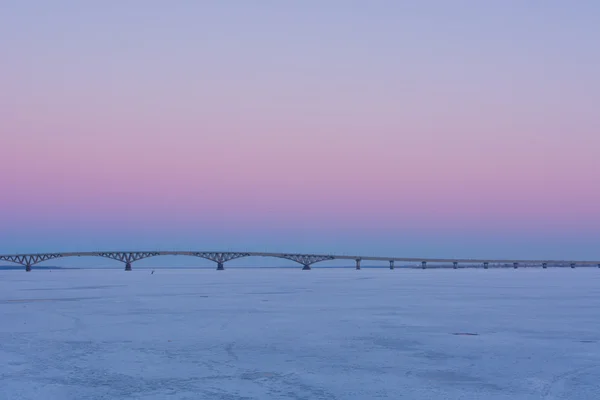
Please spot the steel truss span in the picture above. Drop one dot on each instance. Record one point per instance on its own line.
(306, 260)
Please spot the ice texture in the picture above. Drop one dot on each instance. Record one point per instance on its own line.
(292, 334)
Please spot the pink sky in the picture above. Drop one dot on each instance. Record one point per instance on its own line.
(287, 117)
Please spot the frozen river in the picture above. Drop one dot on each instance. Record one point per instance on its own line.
(291, 334)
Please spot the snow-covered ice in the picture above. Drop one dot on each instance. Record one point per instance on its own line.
(292, 334)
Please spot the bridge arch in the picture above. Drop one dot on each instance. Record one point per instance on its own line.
(28, 260)
(306, 260)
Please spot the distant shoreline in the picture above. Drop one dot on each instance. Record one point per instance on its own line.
(507, 266)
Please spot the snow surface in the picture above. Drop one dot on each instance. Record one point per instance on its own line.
(292, 334)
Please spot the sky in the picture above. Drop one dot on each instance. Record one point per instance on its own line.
(402, 128)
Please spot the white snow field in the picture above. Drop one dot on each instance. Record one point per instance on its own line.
(292, 334)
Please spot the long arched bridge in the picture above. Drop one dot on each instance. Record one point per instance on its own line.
(306, 260)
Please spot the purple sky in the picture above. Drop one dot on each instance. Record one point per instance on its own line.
(429, 128)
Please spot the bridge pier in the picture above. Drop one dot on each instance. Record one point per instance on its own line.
(515, 265)
(220, 266)
(358, 263)
(128, 266)
(455, 265)
(423, 264)
(544, 265)
(572, 265)
(27, 268)
(306, 267)
(486, 265)
(391, 264)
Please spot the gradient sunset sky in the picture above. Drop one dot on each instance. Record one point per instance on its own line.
(402, 128)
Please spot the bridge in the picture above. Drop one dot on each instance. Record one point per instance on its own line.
(306, 260)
